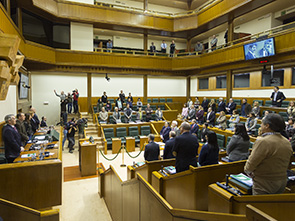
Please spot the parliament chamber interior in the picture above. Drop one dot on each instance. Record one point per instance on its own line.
(93, 92)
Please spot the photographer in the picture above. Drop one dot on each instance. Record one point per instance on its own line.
(82, 123)
(72, 128)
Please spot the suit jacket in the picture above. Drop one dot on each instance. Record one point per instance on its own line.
(186, 147)
(204, 132)
(231, 107)
(247, 109)
(116, 115)
(205, 105)
(22, 131)
(12, 142)
(211, 118)
(221, 106)
(152, 151)
(221, 120)
(152, 48)
(168, 149)
(165, 133)
(194, 129)
(200, 115)
(280, 96)
(35, 122)
(191, 114)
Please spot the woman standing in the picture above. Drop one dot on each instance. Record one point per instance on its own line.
(238, 147)
(221, 121)
(291, 110)
(210, 151)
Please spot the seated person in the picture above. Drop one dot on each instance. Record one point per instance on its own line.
(204, 132)
(200, 115)
(116, 115)
(194, 128)
(108, 106)
(256, 109)
(11, 139)
(184, 112)
(191, 113)
(238, 146)
(175, 128)
(251, 124)
(210, 151)
(291, 110)
(152, 150)
(99, 105)
(165, 132)
(138, 103)
(221, 121)
(230, 106)
(234, 119)
(139, 115)
(210, 118)
(159, 114)
(221, 105)
(270, 158)
(128, 113)
(169, 146)
(148, 112)
(119, 104)
(290, 128)
(103, 115)
(130, 103)
(43, 122)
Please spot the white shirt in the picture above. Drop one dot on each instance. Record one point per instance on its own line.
(163, 45)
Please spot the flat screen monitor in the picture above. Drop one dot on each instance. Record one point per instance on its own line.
(259, 49)
(23, 91)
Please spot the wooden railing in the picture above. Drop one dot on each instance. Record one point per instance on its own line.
(14, 211)
(136, 199)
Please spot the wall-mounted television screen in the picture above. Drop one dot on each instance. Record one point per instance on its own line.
(259, 49)
(23, 91)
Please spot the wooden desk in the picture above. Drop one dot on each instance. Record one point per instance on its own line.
(53, 154)
(87, 158)
(116, 145)
(143, 141)
(130, 144)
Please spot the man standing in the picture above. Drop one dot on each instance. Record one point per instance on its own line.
(12, 139)
(221, 105)
(63, 111)
(191, 113)
(72, 128)
(35, 122)
(122, 96)
(245, 108)
(169, 146)
(21, 128)
(213, 43)
(70, 102)
(165, 132)
(277, 97)
(153, 48)
(205, 104)
(185, 149)
(230, 106)
(62, 95)
(148, 112)
(109, 45)
(152, 150)
(104, 97)
(76, 96)
(210, 117)
(172, 48)
(199, 48)
(128, 114)
(163, 47)
(194, 128)
(270, 158)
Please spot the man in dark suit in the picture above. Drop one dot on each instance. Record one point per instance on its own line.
(245, 108)
(185, 149)
(21, 128)
(35, 122)
(169, 146)
(12, 139)
(277, 97)
(251, 52)
(152, 47)
(122, 96)
(221, 105)
(210, 119)
(205, 104)
(194, 128)
(152, 150)
(165, 132)
(230, 106)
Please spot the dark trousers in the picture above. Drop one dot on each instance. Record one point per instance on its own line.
(10, 160)
(70, 105)
(71, 143)
(64, 117)
(75, 103)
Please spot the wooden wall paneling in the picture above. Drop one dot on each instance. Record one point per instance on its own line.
(212, 83)
(82, 102)
(287, 78)
(117, 206)
(1, 128)
(36, 193)
(171, 115)
(229, 85)
(145, 88)
(255, 79)
(89, 92)
(130, 200)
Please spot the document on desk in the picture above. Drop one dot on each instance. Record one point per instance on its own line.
(243, 179)
(42, 137)
(42, 141)
(28, 155)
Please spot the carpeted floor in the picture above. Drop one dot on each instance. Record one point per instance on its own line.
(73, 173)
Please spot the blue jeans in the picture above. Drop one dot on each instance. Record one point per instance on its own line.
(75, 103)
(65, 137)
(64, 118)
(70, 105)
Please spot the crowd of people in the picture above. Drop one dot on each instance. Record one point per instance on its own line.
(270, 157)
